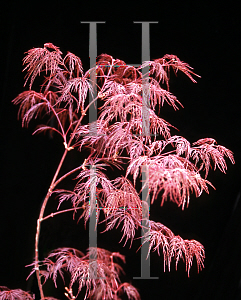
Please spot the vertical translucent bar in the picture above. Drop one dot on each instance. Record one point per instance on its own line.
(145, 261)
(93, 95)
(93, 131)
(92, 225)
(93, 80)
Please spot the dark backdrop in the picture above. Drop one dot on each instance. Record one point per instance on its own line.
(207, 36)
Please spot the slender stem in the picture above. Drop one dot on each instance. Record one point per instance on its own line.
(62, 211)
(40, 218)
(67, 174)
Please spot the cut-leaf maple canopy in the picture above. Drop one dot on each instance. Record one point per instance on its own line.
(176, 168)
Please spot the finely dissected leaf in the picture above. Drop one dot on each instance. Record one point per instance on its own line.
(40, 59)
(116, 70)
(16, 294)
(207, 151)
(131, 291)
(78, 85)
(160, 68)
(174, 247)
(123, 206)
(97, 271)
(181, 144)
(74, 64)
(172, 175)
(86, 136)
(159, 96)
(121, 106)
(176, 181)
(31, 103)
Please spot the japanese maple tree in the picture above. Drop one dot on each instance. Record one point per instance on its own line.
(117, 139)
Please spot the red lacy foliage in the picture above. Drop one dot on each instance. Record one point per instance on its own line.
(127, 135)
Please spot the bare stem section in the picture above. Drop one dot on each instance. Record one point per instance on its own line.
(40, 219)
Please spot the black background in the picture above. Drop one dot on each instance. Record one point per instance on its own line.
(207, 36)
